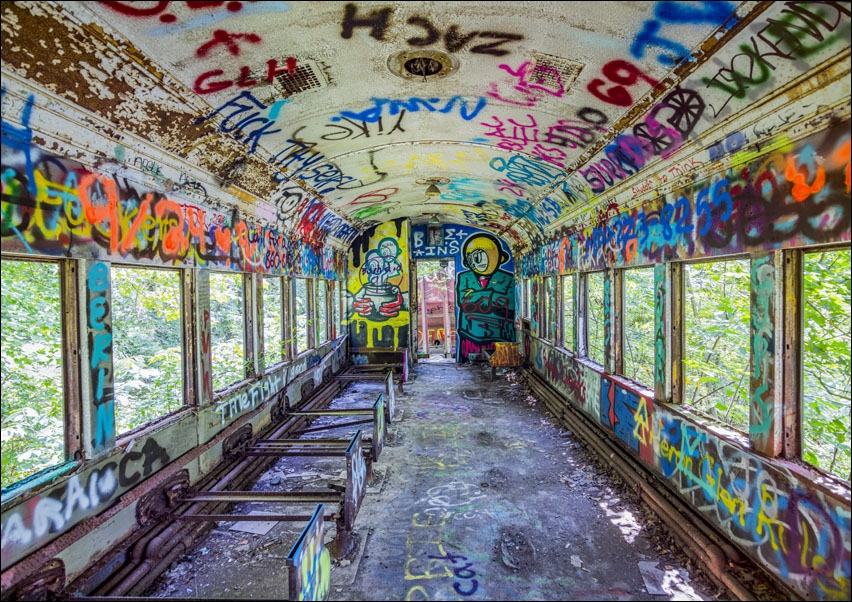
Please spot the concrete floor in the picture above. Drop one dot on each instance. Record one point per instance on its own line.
(479, 496)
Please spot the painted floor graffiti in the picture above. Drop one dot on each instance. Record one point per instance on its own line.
(477, 496)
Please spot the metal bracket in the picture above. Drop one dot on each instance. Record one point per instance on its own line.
(44, 583)
(159, 503)
(235, 446)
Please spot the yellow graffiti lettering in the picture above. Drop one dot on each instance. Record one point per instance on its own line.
(417, 589)
(425, 572)
(56, 203)
(415, 520)
(642, 430)
(763, 518)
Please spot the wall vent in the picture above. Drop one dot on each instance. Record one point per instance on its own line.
(553, 72)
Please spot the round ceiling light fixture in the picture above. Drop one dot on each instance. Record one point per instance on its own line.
(423, 65)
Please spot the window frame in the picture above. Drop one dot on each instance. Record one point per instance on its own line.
(793, 361)
(71, 293)
(183, 287)
(571, 345)
(587, 314)
(249, 369)
(321, 300)
(621, 336)
(284, 356)
(681, 333)
(309, 334)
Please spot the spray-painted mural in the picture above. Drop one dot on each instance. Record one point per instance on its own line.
(798, 530)
(58, 207)
(377, 290)
(484, 288)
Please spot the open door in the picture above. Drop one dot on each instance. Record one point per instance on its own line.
(436, 309)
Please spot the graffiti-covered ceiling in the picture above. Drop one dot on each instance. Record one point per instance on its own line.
(326, 118)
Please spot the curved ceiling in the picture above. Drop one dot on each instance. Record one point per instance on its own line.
(350, 111)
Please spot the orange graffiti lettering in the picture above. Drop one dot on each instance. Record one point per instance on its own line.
(105, 190)
(801, 189)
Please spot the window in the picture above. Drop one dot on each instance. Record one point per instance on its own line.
(638, 312)
(227, 327)
(33, 409)
(322, 311)
(826, 348)
(526, 299)
(569, 312)
(595, 327)
(550, 309)
(336, 307)
(716, 308)
(274, 349)
(301, 308)
(147, 345)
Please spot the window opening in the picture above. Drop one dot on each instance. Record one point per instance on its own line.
(716, 340)
(569, 312)
(147, 345)
(638, 312)
(33, 407)
(595, 331)
(322, 311)
(274, 349)
(227, 328)
(301, 308)
(826, 392)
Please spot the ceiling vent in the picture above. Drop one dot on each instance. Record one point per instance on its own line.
(422, 65)
(553, 72)
(305, 75)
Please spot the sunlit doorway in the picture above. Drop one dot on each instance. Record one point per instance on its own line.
(436, 310)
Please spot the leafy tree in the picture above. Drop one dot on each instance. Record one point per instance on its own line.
(569, 284)
(717, 317)
(826, 343)
(639, 325)
(302, 319)
(596, 331)
(227, 329)
(273, 336)
(147, 345)
(33, 434)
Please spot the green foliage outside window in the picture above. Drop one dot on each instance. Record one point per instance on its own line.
(273, 339)
(826, 391)
(227, 327)
(33, 433)
(322, 311)
(639, 325)
(716, 329)
(569, 284)
(595, 333)
(301, 305)
(147, 345)
(335, 306)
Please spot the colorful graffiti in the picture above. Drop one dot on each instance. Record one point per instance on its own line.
(100, 356)
(53, 206)
(484, 296)
(377, 289)
(310, 562)
(797, 530)
(73, 499)
(796, 195)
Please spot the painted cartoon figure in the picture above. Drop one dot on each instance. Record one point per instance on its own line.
(379, 298)
(485, 295)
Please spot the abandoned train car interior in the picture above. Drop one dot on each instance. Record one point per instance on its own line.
(218, 217)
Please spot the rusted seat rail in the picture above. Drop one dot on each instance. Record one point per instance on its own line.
(377, 419)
